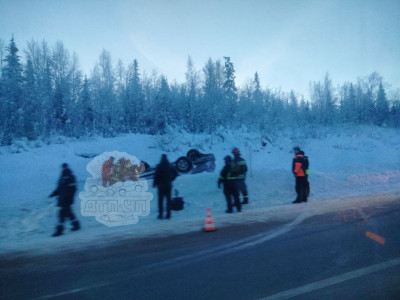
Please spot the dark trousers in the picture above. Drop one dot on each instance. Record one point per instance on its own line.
(66, 212)
(230, 190)
(164, 192)
(301, 189)
(242, 189)
(307, 186)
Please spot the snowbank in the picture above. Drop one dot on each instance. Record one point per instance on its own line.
(343, 164)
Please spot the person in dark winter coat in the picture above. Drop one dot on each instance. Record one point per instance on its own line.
(239, 171)
(306, 167)
(299, 171)
(65, 191)
(164, 175)
(230, 189)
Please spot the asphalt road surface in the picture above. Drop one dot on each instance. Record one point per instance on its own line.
(349, 254)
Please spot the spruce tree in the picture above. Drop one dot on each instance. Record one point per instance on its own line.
(230, 90)
(12, 97)
(382, 106)
(135, 101)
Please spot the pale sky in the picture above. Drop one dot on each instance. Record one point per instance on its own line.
(288, 42)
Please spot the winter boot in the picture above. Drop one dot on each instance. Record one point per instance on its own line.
(59, 230)
(75, 225)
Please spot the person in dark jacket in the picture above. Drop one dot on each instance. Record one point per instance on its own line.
(238, 172)
(164, 175)
(230, 189)
(65, 191)
(306, 167)
(299, 171)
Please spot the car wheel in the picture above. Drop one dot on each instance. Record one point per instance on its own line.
(183, 165)
(193, 154)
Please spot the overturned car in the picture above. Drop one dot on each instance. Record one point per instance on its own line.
(194, 162)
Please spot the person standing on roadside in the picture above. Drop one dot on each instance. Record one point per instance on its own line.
(299, 171)
(238, 172)
(306, 167)
(229, 186)
(164, 175)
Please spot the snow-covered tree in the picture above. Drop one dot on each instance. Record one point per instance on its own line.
(382, 106)
(230, 90)
(211, 98)
(45, 94)
(86, 107)
(190, 107)
(323, 102)
(293, 108)
(75, 82)
(163, 103)
(348, 104)
(102, 82)
(2, 54)
(135, 99)
(31, 105)
(394, 115)
(12, 95)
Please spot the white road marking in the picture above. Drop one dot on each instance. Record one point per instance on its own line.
(334, 280)
(227, 248)
(284, 229)
(230, 247)
(70, 292)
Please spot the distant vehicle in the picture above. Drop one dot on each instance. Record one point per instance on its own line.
(202, 162)
(194, 162)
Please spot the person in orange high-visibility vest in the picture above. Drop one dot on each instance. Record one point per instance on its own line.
(299, 171)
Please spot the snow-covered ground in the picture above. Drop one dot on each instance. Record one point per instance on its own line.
(344, 164)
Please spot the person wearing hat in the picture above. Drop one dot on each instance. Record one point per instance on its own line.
(229, 186)
(299, 171)
(238, 172)
(65, 191)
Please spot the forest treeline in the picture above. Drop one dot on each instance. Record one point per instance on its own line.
(44, 93)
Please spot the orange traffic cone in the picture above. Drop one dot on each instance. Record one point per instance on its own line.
(209, 224)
